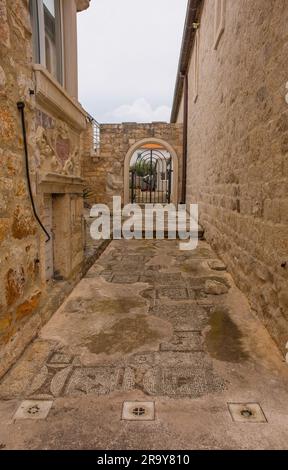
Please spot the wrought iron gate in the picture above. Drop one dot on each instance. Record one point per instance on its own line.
(151, 178)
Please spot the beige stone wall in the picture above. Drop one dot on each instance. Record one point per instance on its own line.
(238, 150)
(180, 116)
(20, 284)
(54, 125)
(104, 174)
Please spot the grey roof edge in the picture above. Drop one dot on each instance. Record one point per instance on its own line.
(187, 43)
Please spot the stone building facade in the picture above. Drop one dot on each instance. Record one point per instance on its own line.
(38, 68)
(107, 173)
(231, 95)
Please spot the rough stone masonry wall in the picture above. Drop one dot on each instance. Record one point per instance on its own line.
(20, 287)
(53, 147)
(238, 151)
(56, 148)
(105, 174)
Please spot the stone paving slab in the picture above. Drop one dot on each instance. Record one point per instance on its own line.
(141, 326)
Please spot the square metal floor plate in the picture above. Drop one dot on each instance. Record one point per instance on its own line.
(32, 409)
(138, 411)
(247, 413)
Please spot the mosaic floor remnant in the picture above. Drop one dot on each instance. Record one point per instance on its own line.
(153, 347)
(121, 295)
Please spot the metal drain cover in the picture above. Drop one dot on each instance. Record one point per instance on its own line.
(32, 409)
(138, 411)
(247, 413)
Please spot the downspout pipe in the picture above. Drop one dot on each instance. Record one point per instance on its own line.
(21, 107)
(185, 138)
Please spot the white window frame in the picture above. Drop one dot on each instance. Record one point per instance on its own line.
(219, 25)
(39, 41)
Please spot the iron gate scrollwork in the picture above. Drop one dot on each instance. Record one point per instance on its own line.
(151, 178)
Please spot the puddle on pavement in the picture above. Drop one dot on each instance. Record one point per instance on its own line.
(223, 341)
(124, 336)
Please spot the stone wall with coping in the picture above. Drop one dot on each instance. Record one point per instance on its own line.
(238, 150)
(54, 141)
(104, 174)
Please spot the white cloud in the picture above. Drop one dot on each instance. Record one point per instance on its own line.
(139, 111)
(129, 49)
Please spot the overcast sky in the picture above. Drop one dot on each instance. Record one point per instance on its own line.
(128, 58)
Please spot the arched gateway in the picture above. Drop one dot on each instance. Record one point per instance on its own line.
(127, 147)
(151, 173)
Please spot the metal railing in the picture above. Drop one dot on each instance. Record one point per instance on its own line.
(94, 135)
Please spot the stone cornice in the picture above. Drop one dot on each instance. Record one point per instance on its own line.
(61, 184)
(53, 97)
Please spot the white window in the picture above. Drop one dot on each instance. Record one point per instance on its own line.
(46, 20)
(219, 26)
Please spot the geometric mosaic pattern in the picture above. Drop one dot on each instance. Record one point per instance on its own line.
(180, 367)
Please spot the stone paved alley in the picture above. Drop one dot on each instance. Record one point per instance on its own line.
(155, 324)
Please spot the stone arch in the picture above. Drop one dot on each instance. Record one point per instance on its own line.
(169, 148)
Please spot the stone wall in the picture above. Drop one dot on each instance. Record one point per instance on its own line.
(54, 139)
(104, 173)
(238, 150)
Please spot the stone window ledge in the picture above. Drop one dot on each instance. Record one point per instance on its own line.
(61, 184)
(52, 96)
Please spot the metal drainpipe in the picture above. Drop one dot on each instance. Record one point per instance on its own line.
(21, 107)
(185, 138)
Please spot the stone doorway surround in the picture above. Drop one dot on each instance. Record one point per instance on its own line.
(67, 205)
(138, 145)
